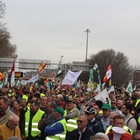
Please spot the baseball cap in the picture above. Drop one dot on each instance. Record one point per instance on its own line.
(106, 106)
(59, 110)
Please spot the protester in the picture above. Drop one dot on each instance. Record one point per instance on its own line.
(5, 111)
(106, 115)
(136, 135)
(10, 128)
(71, 116)
(99, 136)
(129, 119)
(93, 124)
(48, 119)
(29, 128)
(82, 132)
(57, 128)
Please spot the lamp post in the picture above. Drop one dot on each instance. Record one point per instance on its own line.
(87, 31)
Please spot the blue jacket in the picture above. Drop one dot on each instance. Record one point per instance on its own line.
(95, 126)
(56, 129)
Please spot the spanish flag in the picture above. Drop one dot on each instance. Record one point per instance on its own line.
(41, 67)
(108, 73)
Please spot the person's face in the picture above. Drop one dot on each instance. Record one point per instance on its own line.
(106, 112)
(112, 118)
(49, 108)
(56, 114)
(111, 95)
(33, 107)
(44, 100)
(82, 122)
(76, 100)
(136, 137)
(13, 124)
(118, 96)
(124, 109)
(119, 104)
(23, 103)
(53, 98)
(15, 104)
(96, 108)
(113, 104)
(3, 106)
(119, 122)
(70, 105)
(49, 99)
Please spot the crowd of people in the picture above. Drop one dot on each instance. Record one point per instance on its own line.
(36, 113)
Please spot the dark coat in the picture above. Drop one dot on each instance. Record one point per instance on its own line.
(85, 135)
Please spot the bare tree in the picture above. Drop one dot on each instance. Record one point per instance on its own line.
(7, 49)
(121, 70)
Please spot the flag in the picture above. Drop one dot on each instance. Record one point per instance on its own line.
(111, 89)
(103, 96)
(41, 67)
(90, 85)
(108, 73)
(12, 74)
(6, 79)
(129, 88)
(95, 67)
(71, 77)
(2, 83)
(33, 79)
(18, 83)
(59, 72)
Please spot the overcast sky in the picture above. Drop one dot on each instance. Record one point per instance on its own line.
(45, 30)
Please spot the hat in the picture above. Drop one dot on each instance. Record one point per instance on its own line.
(90, 110)
(59, 110)
(106, 106)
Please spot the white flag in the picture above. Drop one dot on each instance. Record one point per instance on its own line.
(111, 89)
(129, 88)
(71, 77)
(33, 79)
(103, 96)
(95, 66)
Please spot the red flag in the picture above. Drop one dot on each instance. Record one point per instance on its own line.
(12, 74)
(108, 73)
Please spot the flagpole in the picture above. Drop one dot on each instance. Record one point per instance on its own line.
(87, 31)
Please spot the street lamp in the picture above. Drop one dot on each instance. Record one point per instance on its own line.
(87, 31)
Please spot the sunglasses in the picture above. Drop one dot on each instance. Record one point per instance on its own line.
(79, 121)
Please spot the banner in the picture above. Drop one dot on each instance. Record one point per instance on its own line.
(71, 77)
(33, 79)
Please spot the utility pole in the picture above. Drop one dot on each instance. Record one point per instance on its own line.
(87, 31)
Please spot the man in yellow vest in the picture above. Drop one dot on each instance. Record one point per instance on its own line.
(29, 128)
(137, 103)
(118, 120)
(71, 116)
(56, 130)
